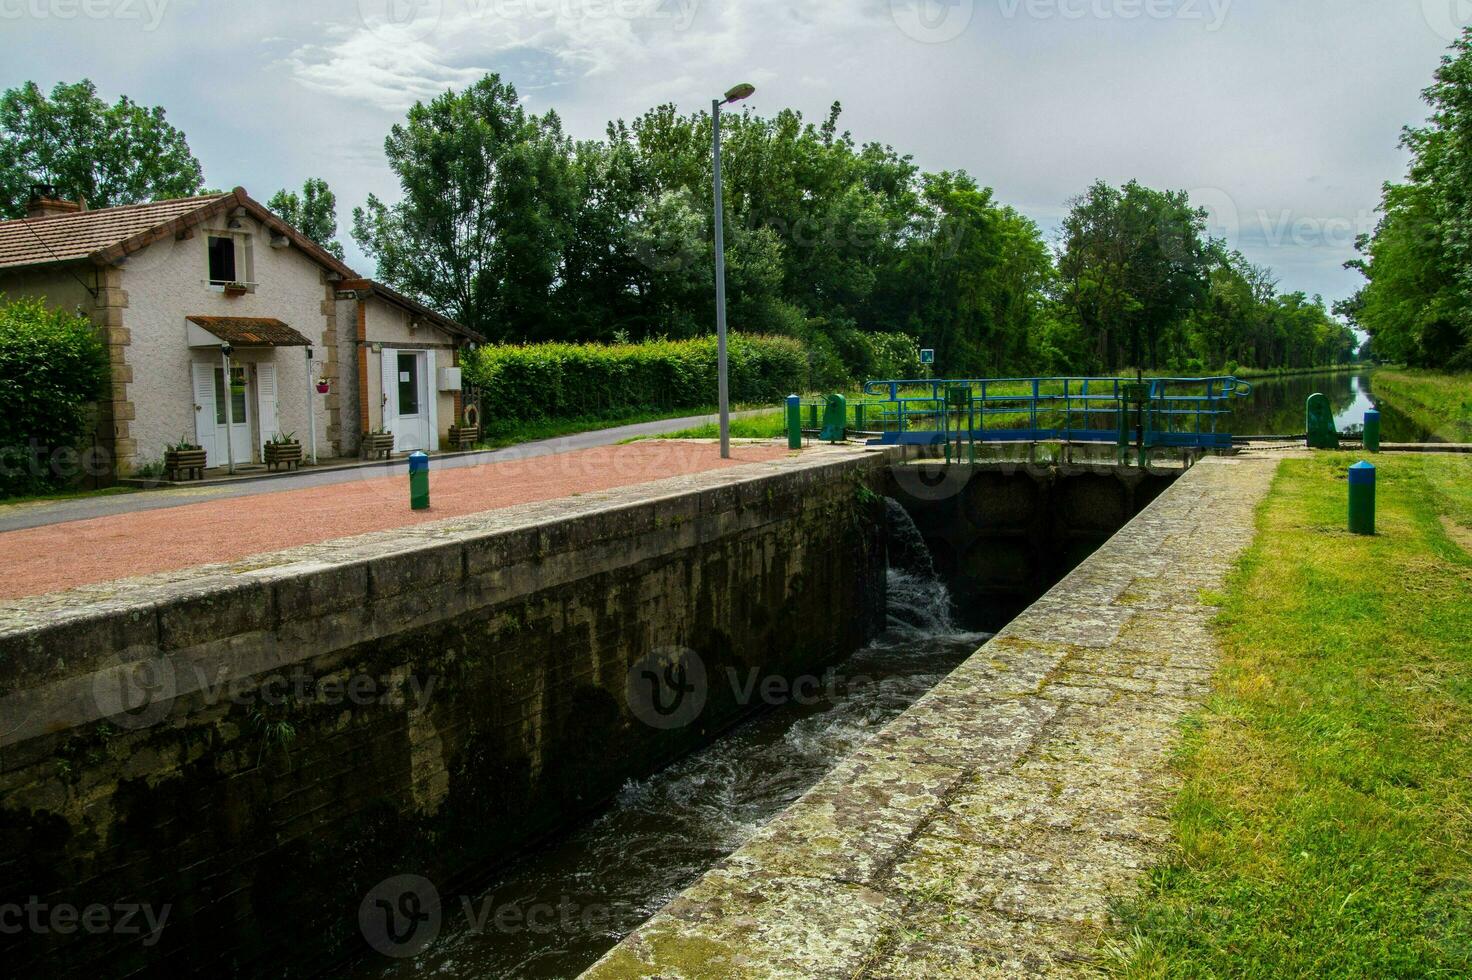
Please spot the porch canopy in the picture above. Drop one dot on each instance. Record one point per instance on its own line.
(242, 331)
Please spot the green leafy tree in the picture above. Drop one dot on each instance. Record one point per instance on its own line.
(53, 367)
(1135, 262)
(489, 197)
(122, 153)
(313, 212)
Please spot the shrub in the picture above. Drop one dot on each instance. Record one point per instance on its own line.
(558, 381)
(52, 368)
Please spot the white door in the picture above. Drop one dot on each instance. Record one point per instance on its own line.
(407, 399)
(266, 404)
(204, 412)
(239, 424)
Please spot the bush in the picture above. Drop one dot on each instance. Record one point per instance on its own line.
(52, 368)
(538, 382)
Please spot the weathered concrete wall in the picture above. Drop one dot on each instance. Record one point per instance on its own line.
(987, 831)
(423, 701)
(1002, 533)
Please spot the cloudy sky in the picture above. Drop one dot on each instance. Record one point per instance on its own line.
(1280, 116)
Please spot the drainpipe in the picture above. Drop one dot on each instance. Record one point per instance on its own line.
(225, 351)
(311, 411)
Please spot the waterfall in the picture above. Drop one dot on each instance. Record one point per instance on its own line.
(919, 602)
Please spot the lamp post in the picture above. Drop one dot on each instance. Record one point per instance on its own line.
(736, 94)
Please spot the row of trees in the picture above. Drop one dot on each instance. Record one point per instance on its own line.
(1417, 302)
(515, 228)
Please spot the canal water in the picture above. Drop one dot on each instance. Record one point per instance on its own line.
(561, 908)
(1276, 407)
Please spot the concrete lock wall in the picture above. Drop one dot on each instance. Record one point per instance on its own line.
(247, 759)
(1001, 534)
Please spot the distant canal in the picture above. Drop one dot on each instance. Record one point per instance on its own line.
(1276, 407)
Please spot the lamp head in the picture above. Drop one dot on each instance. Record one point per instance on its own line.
(226, 349)
(742, 91)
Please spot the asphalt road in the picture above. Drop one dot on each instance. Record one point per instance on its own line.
(14, 517)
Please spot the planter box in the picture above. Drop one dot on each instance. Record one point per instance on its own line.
(378, 446)
(464, 436)
(288, 454)
(184, 464)
(236, 289)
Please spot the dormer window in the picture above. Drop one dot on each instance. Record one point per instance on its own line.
(222, 259)
(230, 261)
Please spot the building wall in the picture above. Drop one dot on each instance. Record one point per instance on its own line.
(166, 282)
(388, 326)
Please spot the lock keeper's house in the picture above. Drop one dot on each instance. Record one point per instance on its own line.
(208, 298)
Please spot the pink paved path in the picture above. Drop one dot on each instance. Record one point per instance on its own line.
(60, 556)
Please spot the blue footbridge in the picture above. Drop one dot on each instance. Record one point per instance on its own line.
(1139, 413)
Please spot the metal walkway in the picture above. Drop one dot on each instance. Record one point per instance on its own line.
(1171, 412)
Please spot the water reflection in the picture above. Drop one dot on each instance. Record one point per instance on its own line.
(1276, 407)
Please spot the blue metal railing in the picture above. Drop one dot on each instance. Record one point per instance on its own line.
(1180, 412)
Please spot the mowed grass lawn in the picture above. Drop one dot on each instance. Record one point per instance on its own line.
(1325, 824)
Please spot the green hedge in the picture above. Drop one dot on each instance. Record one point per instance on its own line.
(554, 381)
(52, 368)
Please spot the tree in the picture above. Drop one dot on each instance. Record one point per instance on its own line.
(313, 213)
(123, 153)
(1417, 302)
(1135, 261)
(488, 200)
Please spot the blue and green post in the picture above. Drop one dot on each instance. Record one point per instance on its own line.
(419, 481)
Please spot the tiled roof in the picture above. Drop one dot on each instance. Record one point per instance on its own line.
(112, 234)
(251, 331)
(69, 237)
(414, 307)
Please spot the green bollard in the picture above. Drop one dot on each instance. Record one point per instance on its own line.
(835, 419)
(1372, 430)
(794, 422)
(1319, 420)
(1362, 498)
(419, 481)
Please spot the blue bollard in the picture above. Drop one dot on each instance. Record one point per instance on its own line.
(1362, 498)
(1372, 430)
(419, 481)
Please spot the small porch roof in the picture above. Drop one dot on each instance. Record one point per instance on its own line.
(243, 331)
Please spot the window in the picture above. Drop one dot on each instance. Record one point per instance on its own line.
(222, 259)
(237, 395)
(408, 384)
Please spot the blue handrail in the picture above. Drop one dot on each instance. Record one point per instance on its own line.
(1175, 411)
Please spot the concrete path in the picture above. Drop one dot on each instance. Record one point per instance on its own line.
(24, 515)
(985, 832)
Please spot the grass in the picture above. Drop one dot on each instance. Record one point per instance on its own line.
(1437, 401)
(514, 433)
(1324, 827)
(769, 425)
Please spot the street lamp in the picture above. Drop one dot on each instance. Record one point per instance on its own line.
(736, 94)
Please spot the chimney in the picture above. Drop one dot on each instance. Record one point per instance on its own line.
(45, 204)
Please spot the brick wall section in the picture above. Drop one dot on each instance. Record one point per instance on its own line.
(115, 412)
(331, 371)
(363, 418)
(526, 623)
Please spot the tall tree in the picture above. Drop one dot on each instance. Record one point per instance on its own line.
(313, 212)
(1135, 261)
(122, 153)
(488, 199)
(1417, 303)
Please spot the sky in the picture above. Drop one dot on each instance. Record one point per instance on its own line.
(1281, 117)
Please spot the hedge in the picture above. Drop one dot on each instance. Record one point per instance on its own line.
(52, 368)
(557, 381)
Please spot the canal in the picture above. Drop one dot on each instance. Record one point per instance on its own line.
(1276, 407)
(555, 912)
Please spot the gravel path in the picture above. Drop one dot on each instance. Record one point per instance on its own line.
(99, 549)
